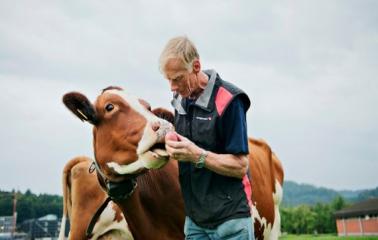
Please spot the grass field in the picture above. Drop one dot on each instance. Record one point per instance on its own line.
(321, 237)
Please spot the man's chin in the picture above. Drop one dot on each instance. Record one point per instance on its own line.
(184, 95)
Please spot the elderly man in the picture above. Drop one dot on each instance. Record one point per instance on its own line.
(210, 145)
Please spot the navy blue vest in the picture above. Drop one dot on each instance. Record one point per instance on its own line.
(210, 199)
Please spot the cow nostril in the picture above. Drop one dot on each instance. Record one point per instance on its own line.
(155, 126)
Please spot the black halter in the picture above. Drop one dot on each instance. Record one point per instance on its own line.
(117, 191)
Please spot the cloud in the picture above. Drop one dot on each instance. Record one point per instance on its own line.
(309, 69)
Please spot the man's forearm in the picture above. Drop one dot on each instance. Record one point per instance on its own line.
(227, 164)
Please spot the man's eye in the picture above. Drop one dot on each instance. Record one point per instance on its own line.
(177, 79)
(109, 107)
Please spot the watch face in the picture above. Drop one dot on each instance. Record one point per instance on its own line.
(201, 160)
(200, 164)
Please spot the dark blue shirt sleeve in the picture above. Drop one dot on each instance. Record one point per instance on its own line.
(234, 128)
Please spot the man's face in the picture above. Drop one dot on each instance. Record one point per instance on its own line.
(180, 79)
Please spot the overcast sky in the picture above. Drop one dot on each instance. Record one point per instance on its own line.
(309, 67)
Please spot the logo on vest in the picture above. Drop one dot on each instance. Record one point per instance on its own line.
(204, 118)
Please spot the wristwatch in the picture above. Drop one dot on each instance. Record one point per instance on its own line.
(201, 160)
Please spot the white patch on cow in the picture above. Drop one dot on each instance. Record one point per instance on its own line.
(271, 232)
(262, 221)
(149, 138)
(126, 169)
(145, 160)
(151, 162)
(107, 223)
(62, 228)
(277, 198)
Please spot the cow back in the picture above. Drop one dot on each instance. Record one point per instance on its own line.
(82, 196)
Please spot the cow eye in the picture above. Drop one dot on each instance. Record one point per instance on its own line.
(109, 107)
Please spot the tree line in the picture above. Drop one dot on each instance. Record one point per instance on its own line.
(296, 220)
(310, 219)
(30, 205)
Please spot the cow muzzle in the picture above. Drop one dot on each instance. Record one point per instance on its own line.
(154, 133)
(151, 149)
(155, 156)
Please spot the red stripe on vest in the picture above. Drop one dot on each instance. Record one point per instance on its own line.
(248, 190)
(222, 99)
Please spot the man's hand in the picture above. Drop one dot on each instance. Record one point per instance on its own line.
(181, 148)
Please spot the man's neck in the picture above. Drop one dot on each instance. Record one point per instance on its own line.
(203, 79)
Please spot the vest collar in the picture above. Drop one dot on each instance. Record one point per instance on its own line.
(203, 100)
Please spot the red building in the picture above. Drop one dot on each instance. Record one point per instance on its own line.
(359, 219)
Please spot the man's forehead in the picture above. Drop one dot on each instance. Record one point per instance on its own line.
(176, 63)
(174, 67)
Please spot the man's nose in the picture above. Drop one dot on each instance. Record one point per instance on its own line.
(174, 88)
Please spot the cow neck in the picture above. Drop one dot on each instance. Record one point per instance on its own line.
(141, 212)
(137, 217)
(116, 190)
(126, 195)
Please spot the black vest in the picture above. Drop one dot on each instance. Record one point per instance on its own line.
(210, 199)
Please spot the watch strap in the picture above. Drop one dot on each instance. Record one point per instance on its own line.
(201, 160)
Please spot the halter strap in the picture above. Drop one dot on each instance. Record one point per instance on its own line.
(89, 232)
(117, 191)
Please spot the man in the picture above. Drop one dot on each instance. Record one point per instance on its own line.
(211, 145)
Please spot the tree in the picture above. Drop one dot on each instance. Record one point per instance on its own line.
(30, 205)
(309, 219)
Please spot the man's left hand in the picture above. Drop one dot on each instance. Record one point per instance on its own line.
(181, 148)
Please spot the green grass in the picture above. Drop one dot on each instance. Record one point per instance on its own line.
(324, 236)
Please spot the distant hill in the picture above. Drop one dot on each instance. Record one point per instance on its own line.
(297, 194)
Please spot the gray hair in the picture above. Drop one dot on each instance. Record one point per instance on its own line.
(181, 48)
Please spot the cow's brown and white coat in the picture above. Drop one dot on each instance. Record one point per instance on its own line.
(82, 196)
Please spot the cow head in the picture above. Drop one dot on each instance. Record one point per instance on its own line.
(127, 137)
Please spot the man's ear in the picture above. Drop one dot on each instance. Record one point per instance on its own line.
(196, 66)
(79, 105)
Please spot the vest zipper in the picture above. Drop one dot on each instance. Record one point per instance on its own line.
(191, 114)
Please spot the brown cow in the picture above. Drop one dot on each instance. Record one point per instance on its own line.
(127, 141)
(82, 196)
(267, 180)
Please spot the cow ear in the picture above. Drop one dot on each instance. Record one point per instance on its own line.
(79, 105)
(164, 114)
(145, 104)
